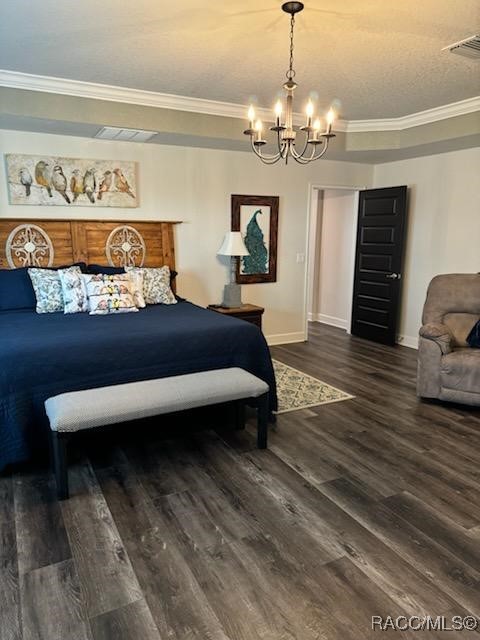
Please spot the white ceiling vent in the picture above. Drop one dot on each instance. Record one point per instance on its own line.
(470, 47)
(126, 135)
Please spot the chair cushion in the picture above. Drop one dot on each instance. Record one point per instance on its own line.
(80, 410)
(461, 370)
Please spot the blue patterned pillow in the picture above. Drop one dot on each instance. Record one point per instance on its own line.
(48, 289)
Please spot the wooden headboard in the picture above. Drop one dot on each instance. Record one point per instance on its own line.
(44, 243)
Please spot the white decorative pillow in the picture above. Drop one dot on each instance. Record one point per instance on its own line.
(74, 291)
(48, 288)
(109, 293)
(156, 284)
(136, 278)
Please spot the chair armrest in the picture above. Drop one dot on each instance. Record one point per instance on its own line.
(440, 334)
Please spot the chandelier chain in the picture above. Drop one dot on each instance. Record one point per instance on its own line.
(291, 72)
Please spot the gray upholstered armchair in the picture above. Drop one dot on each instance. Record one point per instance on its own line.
(447, 368)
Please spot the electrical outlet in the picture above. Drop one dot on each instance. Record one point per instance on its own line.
(300, 257)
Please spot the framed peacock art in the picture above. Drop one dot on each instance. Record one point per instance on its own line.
(256, 217)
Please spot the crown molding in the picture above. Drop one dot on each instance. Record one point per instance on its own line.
(111, 93)
(461, 108)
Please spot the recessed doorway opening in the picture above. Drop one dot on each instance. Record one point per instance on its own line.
(331, 255)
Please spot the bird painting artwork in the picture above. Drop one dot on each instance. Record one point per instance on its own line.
(76, 184)
(89, 184)
(59, 182)
(121, 183)
(73, 182)
(26, 179)
(105, 184)
(42, 176)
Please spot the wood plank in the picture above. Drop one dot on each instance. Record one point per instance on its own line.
(174, 597)
(132, 622)
(444, 531)
(52, 606)
(6, 499)
(41, 534)
(10, 614)
(105, 572)
(460, 581)
(320, 524)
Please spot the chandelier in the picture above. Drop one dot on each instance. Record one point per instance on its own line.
(315, 143)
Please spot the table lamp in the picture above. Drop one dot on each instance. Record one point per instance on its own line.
(234, 247)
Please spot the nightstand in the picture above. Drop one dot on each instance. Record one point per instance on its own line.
(249, 312)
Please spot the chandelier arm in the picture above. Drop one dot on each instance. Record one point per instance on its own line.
(305, 146)
(313, 157)
(303, 159)
(269, 159)
(323, 151)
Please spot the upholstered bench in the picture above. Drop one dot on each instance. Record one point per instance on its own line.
(79, 410)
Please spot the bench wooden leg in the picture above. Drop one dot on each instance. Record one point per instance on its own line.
(59, 447)
(262, 421)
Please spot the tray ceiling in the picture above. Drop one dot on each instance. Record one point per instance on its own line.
(375, 58)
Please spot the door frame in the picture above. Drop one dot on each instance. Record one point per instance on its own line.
(313, 189)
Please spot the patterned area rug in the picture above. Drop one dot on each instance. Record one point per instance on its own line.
(297, 390)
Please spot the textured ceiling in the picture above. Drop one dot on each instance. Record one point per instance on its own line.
(374, 58)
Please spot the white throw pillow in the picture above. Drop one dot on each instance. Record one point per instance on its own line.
(156, 284)
(109, 294)
(136, 278)
(74, 291)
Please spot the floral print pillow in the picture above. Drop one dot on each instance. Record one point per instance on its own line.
(109, 294)
(74, 291)
(48, 289)
(156, 284)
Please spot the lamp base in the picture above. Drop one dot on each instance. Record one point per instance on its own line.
(232, 295)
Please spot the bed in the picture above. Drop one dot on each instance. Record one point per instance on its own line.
(46, 354)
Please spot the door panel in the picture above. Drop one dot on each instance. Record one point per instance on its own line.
(378, 263)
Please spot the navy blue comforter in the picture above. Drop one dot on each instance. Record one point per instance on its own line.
(42, 355)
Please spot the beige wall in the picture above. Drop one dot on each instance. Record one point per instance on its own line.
(194, 185)
(443, 227)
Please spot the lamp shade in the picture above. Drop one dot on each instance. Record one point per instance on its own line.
(233, 245)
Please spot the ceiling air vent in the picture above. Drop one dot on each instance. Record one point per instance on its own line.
(126, 135)
(470, 47)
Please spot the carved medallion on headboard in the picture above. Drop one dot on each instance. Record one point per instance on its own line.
(125, 247)
(28, 245)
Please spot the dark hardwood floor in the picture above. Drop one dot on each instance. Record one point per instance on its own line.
(365, 507)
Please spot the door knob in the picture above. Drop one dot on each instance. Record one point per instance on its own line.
(393, 276)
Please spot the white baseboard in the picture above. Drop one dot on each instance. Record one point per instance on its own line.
(408, 341)
(331, 320)
(286, 338)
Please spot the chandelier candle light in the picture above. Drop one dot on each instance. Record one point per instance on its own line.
(316, 141)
